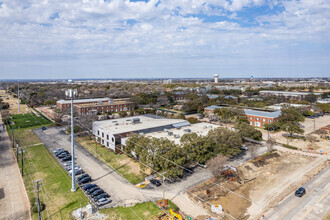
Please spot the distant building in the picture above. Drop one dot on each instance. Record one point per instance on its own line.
(66, 104)
(104, 107)
(211, 96)
(231, 97)
(179, 95)
(324, 101)
(281, 105)
(210, 109)
(260, 118)
(299, 95)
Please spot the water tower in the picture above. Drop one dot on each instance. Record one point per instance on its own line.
(216, 76)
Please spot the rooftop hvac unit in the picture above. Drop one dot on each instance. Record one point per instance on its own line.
(100, 102)
(135, 120)
(165, 130)
(177, 136)
(114, 121)
(110, 101)
(141, 133)
(188, 130)
(170, 133)
(204, 126)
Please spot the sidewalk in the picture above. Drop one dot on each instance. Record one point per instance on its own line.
(14, 203)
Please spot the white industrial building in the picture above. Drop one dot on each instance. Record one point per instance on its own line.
(111, 133)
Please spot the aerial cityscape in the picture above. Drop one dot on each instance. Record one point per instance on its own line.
(168, 110)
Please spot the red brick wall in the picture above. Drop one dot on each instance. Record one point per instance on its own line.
(261, 120)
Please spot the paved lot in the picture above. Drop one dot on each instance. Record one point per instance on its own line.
(314, 205)
(308, 124)
(13, 199)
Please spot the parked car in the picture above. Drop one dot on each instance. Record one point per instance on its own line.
(88, 186)
(61, 152)
(155, 182)
(85, 180)
(66, 158)
(97, 192)
(300, 192)
(77, 172)
(91, 190)
(243, 147)
(101, 196)
(83, 176)
(63, 155)
(68, 168)
(69, 163)
(58, 150)
(103, 201)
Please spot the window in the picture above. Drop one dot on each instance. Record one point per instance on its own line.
(107, 144)
(270, 120)
(102, 134)
(107, 137)
(102, 107)
(263, 119)
(257, 124)
(251, 123)
(251, 118)
(257, 119)
(98, 132)
(113, 140)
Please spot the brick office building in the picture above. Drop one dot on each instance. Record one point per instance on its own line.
(259, 118)
(66, 104)
(104, 107)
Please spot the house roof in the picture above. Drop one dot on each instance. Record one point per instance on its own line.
(212, 107)
(265, 114)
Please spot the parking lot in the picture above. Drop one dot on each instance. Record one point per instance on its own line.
(54, 138)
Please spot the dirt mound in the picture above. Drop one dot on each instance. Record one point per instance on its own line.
(263, 160)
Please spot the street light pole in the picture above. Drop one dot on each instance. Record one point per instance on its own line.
(72, 93)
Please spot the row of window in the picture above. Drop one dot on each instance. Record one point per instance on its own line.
(112, 106)
(98, 134)
(264, 120)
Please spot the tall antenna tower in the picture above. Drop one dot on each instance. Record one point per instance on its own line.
(18, 97)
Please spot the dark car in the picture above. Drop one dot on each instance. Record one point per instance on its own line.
(66, 158)
(300, 192)
(155, 182)
(91, 190)
(63, 155)
(83, 176)
(88, 186)
(76, 172)
(97, 192)
(61, 152)
(58, 150)
(85, 180)
(103, 201)
(101, 196)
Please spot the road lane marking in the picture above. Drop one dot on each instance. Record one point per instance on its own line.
(314, 205)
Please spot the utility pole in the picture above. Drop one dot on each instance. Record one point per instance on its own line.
(7, 90)
(18, 97)
(314, 124)
(17, 152)
(38, 184)
(22, 161)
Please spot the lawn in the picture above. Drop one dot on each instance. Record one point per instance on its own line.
(56, 188)
(28, 120)
(26, 136)
(146, 211)
(123, 164)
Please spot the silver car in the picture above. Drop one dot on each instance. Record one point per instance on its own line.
(103, 201)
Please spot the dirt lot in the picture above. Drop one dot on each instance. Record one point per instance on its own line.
(13, 105)
(259, 184)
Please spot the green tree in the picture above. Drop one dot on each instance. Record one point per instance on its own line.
(248, 131)
(290, 115)
(225, 141)
(292, 128)
(198, 148)
(325, 107)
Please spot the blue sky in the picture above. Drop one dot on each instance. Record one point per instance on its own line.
(172, 38)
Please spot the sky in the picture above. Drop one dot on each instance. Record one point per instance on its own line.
(50, 39)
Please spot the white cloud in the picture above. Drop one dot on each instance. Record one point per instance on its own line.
(172, 28)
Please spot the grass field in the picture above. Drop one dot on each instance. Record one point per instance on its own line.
(146, 211)
(56, 189)
(26, 136)
(122, 163)
(28, 120)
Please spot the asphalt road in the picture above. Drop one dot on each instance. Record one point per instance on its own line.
(315, 204)
(13, 199)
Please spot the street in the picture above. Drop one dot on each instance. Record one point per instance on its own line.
(13, 198)
(315, 204)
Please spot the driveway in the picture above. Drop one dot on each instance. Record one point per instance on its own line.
(13, 197)
(314, 205)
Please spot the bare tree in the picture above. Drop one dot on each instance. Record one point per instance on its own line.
(311, 139)
(216, 164)
(253, 150)
(270, 144)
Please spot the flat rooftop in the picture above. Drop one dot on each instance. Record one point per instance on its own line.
(287, 93)
(125, 125)
(103, 103)
(83, 100)
(202, 129)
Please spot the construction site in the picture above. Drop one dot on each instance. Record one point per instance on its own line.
(258, 185)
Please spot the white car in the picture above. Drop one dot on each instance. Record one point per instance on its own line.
(58, 150)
